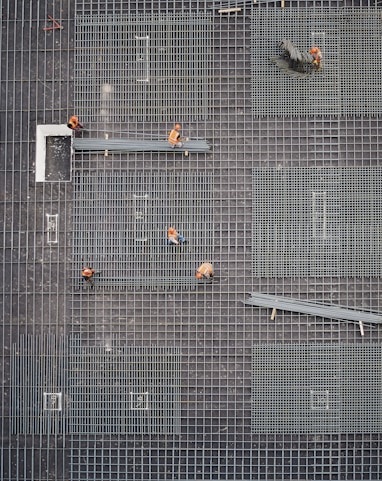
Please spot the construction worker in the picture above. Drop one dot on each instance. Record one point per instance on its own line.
(174, 137)
(74, 123)
(205, 271)
(173, 237)
(87, 274)
(316, 53)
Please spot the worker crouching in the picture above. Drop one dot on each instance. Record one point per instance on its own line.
(174, 139)
(87, 274)
(205, 271)
(316, 53)
(173, 237)
(74, 123)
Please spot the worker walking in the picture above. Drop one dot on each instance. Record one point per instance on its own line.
(174, 139)
(205, 271)
(74, 123)
(87, 274)
(173, 237)
(316, 53)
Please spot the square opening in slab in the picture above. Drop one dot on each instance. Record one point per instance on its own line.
(139, 401)
(319, 400)
(52, 401)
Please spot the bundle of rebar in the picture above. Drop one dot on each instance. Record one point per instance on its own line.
(146, 282)
(312, 308)
(127, 145)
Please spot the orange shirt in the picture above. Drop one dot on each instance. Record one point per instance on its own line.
(174, 137)
(172, 235)
(316, 53)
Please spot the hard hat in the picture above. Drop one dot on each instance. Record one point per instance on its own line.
(198, 275)
(177, 127)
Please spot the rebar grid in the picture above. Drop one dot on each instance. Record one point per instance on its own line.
(38, 393)
(123, 389)
(316, 388)
(34, 89)
(213, 329)
(316, 222)
(348, 82)
(120, 223)
(143, 68)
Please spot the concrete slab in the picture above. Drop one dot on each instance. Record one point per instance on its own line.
(53, 153)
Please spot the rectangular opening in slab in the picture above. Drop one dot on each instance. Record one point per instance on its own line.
(319, 215)
(52, 228)
(53, 153)
(57, 161)
(142, 56)
(140, 207)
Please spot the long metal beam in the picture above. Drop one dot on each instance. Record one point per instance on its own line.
(312, 308)
(125, 145)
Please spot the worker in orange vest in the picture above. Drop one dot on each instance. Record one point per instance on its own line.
(74, 123)
(173, 237)
(316, 53)
(205, 271)
(87, 274)
(174, 139)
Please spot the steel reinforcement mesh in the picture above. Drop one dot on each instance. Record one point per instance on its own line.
(207, 329)
(317, 222)
(123, 389)
(316, 388)
(38, 385)
(120, 221)
(146, 67)
(349, 81)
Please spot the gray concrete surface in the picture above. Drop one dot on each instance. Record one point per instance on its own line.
(213, 329)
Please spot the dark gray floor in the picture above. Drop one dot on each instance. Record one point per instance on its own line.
(80, 339)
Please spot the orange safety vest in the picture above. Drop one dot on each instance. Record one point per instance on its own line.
(172, 235)
(206, 270)
(173, 137)
(316, 54)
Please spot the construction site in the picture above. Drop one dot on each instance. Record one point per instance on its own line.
(269, 370)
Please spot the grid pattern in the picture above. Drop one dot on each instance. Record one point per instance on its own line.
(349, 82)
(147, 67)
(317, 222)
(317, 388)
(120, 223)
(123, 389)
(214, 330)
(38, 385)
